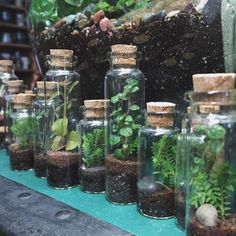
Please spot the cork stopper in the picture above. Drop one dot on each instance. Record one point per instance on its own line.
(51, 86)
(123, 54)
(28, 92)
(95, 108)
(205, 109)
(15, 86)
(217, 81)
(23, 101)
(61, 53)
(61, 57)
(160, 114)
(6, 65)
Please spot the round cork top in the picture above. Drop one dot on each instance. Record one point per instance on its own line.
(160, 107)
(123, 48)
(22, 100)
(6, 62)
(14, 83)
(96, 104)
(61, 52)
(209, 109)
(50, 85)
(217, 81)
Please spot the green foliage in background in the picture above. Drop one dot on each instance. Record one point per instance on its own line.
(124, 138)
(164, 159)
(213, 180)
(23, 129)
(93, 148)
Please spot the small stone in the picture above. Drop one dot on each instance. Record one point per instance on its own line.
(70, 19)
(80, 16)
(188, 55)
(154, 17)
(127, 26)
(59, 23)
(141, 39)
(170, 62)
(75, 32)
(137, 21)
(207, 215)
(172, 14)
(82, 23)
(98, 16)
(85, 30)
(105, 24)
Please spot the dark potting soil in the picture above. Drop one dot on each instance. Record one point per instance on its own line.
(173, 49)
(121, 181)
(92, 180)
(156, 205)
(40, 165)
(62, 169)
(226, 227)
(180, 211)
(21, 159)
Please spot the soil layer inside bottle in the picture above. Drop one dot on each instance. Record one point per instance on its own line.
(121, 180)
(156, 205)
(225, 227)
(92, 179)
(62, 169)
(180, 211)
(21, 159)
(40, 165)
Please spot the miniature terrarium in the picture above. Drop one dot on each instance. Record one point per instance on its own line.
(181, 162)
(6, 74)
(177, 39)
(124, 86)
(21, 151)
(63, 138)
(43, 113)
(211, 168)
(157, 161)
(92, 170)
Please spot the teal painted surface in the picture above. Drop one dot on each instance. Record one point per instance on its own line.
(125, 217)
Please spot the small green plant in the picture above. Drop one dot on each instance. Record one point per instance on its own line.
(164, 159)
(124, 138)
(61, 138)
(23, 130)
(213, 180)
(93, 148)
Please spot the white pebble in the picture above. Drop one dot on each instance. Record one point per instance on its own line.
(207, 215)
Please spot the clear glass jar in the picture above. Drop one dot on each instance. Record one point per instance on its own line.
(13, 87)
(181, 162)
(63, 138)
(43, 111)
(92, 170)
(211, 166)
(177, 38)
(21, 151)
(156, 162)
(6, 74)
(125, 87)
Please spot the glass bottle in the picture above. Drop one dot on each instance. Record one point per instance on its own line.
(6, 74)
(92, 170)
(63, 138)
(21, 151)
(125, 87)
(42, 114)
(156, 162)
(181, 161)
(211, 166)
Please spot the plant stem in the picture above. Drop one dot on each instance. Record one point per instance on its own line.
(65, 101)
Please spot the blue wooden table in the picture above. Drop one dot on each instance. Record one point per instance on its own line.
(124, 217)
